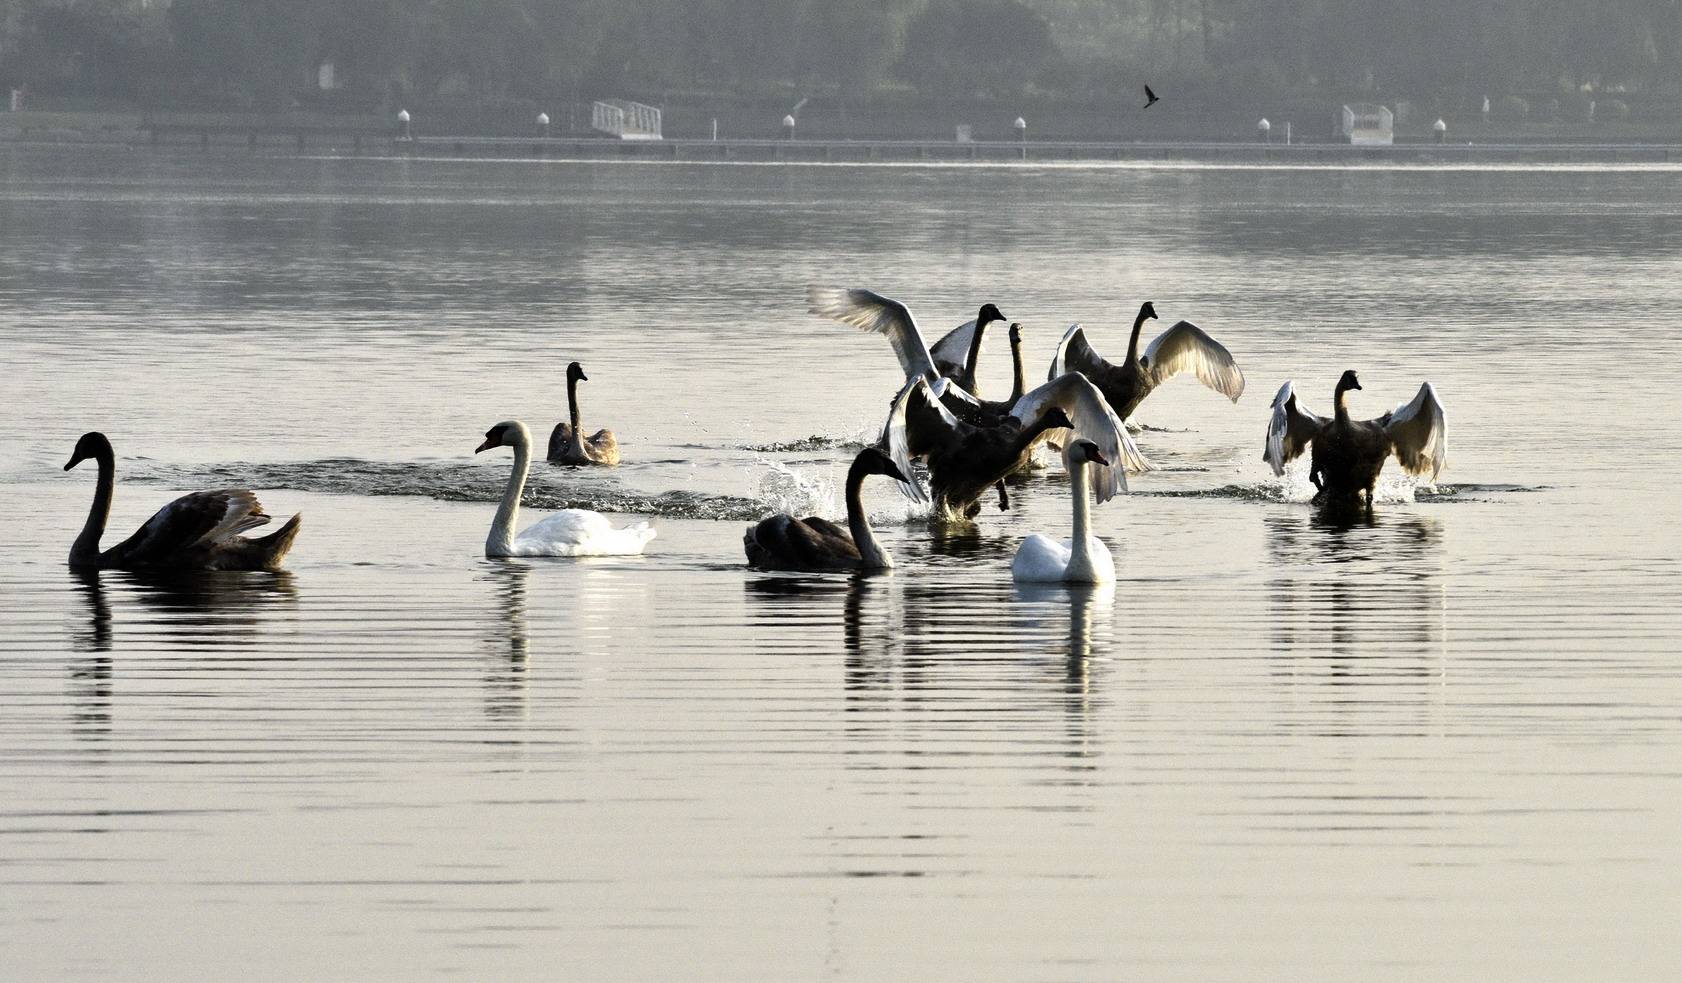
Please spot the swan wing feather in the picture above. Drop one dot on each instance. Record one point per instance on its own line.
(200, 519)
(1187, 347)
(868, 310)
(951, 352)
(918, 423)
(1075, 354)
(1290, 430)
(1075, 395)
(1419, 431)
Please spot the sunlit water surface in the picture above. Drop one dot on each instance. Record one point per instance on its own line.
(1445, 744)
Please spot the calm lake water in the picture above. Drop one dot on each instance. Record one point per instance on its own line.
(1443, 745)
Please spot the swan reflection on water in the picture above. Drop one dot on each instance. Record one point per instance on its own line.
(507, 641)
(932, 644)
(192, 608)
(1374, 586)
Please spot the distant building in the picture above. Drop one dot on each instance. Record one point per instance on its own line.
(1366, 124)
(626, 120)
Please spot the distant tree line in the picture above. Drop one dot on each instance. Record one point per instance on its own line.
(271, 54)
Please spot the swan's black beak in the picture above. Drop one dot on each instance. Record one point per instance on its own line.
(582, 377)
(487, 445)
(75, 459)
(892, 471)
(1097, 458)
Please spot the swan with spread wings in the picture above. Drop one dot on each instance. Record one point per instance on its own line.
(1348, 454)
(1182, 348)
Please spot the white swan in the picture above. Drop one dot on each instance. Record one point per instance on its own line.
(570, 532)
(1084, 559)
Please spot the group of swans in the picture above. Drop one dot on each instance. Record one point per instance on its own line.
(967, 445)
(203, 530)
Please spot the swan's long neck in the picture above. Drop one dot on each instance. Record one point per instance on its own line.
(86, 546)
(1133, 342)
(974, 358)
(1080, 545)
(1031, 435)
(1018, 384)
(501, 539)
(871, 554)
(1341, 398)
(572, 410)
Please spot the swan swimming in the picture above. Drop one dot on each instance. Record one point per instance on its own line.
(567, 443)
(1082, 559)
(782, 542)
(569, 532)
(200, 531)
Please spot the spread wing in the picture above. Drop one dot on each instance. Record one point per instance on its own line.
(1290, 430)
(1093, 420)
(1074, 354)
(917, 423)
(1419, 431)
(951, 353)
(868, 310)
(1186, 348)
(191, 521)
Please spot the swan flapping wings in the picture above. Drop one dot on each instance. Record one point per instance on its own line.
(917, 423)
(1094, 421)
(868, 310)
(1185, 347)
(1290, 430)
(951, 352)
(1418, 432)
(1075, 354)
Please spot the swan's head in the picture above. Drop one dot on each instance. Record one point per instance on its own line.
(576, 371)
(988, 315)
(873, 461)
(504, 434)
(92, 444)
(1056, 418)
(1147, 311)
(1087, 451)
(1348, 381)
(1016, 332)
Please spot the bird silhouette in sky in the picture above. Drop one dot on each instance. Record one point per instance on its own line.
(1150, 98)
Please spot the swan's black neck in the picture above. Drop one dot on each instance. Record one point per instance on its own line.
(871, 555)
(85, 550)
(1340, 399)
(572, 402)
(1032, 433)
(974, 358)
(1133, 342)
(1018, 384)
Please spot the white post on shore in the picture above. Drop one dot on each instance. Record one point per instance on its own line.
(715, 129)
(403, 131)
(543, 125)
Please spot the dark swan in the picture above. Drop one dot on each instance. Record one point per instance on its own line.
(567, 443)
(965, 459)
(1183, 347)
(783, 542)
(200, 531)
(1349, 454)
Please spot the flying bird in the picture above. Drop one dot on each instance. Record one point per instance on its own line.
(1150, 98)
